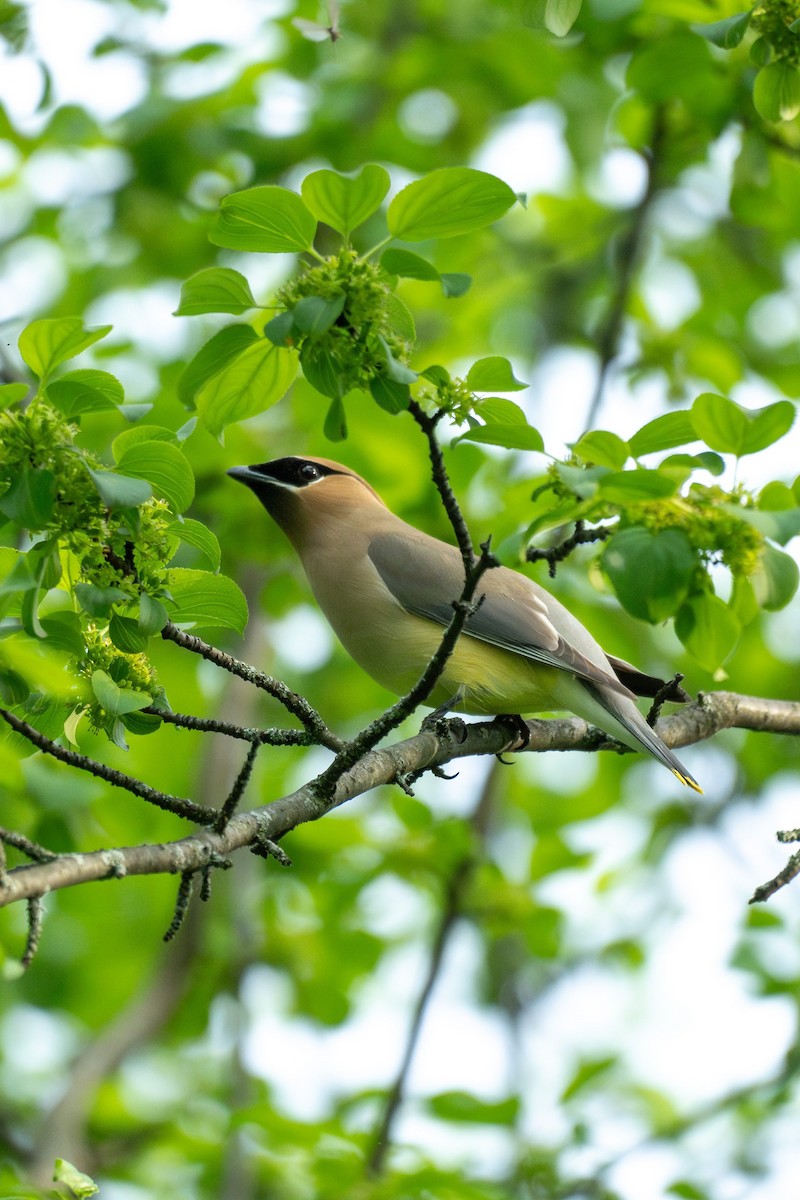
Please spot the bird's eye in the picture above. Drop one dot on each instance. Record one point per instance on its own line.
(308, 472)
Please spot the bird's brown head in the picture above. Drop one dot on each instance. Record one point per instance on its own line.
(303, 495)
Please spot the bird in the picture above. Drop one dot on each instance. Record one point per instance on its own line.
(387, 590)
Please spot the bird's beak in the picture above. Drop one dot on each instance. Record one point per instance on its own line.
(245, 475)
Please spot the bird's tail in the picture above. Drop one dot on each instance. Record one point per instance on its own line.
(628, 715)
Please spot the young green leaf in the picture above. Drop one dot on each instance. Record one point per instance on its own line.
(626, 487)
(120, 491)
(708, 628)
(390, 395)
(315, 314)
(141, 433)
(116, 700)
(663, 433)
(397, 371)
(215, 290)
(454, 284)
(281, 330)
(512, 437)
(776, 92)
(165, 467)
(343, 202)
(493, 374)
(11, 393)
(206, 601)
(153, 616)
(269, 219)
(775, 582)
(212, 358)
(126, 634)
(409, 265)
(199, 536)
(253, 382)
(728, 33)
(98, 602)
(448, 202)
(496, 410)
(604, 448)
(335, 426)
(30, 500)
(561, 15)
(45, 344)
(650, 572)
(321, 371)
(728, 427)
(84, 391)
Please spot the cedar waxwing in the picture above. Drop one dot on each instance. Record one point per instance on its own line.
(388, 589)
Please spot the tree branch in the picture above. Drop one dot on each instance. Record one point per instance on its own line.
(710, 713)
(630, 252)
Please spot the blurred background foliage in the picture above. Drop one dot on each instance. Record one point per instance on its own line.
(609, 1018)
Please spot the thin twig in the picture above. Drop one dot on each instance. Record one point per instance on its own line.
(630, 253)
(272, 737)
(181, 905)
(174, 804)
(237, 791)
(557, 554)
(442, 480)
(290, 700)
(35, 921)
(453, 903)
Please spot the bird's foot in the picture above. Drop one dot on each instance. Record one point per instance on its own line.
(443, 726)
(519, 727)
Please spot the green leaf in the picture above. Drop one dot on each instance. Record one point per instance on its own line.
(215, 290)
(153, 616)
(82, 1186)
(252, 383)
(141, 433)
(45, 344)
(728, 33)
(496, 410)
(709, 461)
(708, 629)
(97, 602)
(206, 601)
(728, 427)
(335, 427)
(628, 487)
(454, 284)
(448, 202)
(165, 467)
(408, 265)
(650, 572)
(116, 700)
(400, 318)
(663, 433)
(776, 496)
(79, 392)
(212, 358)
(120, 491)
(126, 635)
(603, 448)
(776, 92)
(343, 202)
(561, 15)
(493, 374)
(315, 314)
(397, 371)
(768, 425)
(270, 219)
(779, 524)
(321, 370)
(30, 500)
(583, 481)
(463, 1107)
(391, 396)
(589, 1070)
(10, 393)
(775, 582)
(280, 330)
(63, 631)
(512, 437)
(195, 534)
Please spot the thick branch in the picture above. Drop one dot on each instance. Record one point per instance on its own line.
(711, 713)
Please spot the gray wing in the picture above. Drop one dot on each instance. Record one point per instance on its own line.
(425, 576)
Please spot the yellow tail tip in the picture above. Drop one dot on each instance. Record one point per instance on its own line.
(687, 779)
